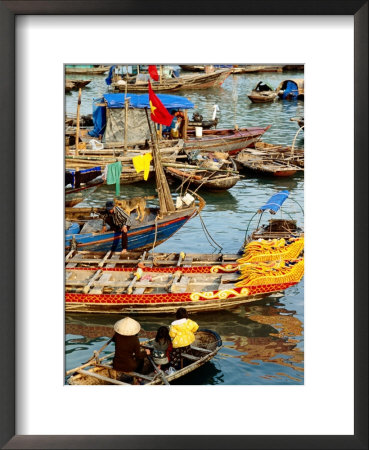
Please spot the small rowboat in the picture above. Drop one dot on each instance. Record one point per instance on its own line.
(100, 371)
(262, 93)
(275, 228)
(262, 164)
(113, 283)
(271, 160)
(211, 181)
(76, 84)
(211, 173)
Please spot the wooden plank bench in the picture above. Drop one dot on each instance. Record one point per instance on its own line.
(181, 285)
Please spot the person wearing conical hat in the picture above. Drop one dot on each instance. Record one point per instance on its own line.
(129, 356)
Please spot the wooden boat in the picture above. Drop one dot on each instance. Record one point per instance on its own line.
(270, 159)
(283, 153)
(275, 228)
(202, 81)
(291, 89)
(250, 68)
(192, 68)
(77, 83)
(262, 164)
(204, 176)
(153, 230)
(92, 70)
(99, 371)
(112, 283)
(230, 141)
(299, 120)
(88, 158)
(262, 93)
(211, 181)
(68, 86)
(204, 68)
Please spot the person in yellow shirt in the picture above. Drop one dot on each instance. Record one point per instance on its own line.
(182, 333)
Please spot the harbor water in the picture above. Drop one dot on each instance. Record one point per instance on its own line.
(263, 342)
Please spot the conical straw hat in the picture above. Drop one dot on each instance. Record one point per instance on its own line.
(127, 327)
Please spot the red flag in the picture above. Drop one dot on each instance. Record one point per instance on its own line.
(159, 113)
(153, 73)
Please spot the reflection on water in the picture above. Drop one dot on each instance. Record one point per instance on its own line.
(263, 343)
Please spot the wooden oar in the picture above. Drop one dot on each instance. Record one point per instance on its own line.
(157, 370)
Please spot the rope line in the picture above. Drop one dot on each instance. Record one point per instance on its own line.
(207, 234)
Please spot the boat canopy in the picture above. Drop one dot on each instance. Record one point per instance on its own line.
(275, 202)
(291, 88)
(262, 86)
(142, 101)
(137, 102)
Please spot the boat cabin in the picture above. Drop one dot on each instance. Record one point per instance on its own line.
(113, 114)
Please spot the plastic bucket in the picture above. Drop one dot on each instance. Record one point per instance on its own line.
(198, 131)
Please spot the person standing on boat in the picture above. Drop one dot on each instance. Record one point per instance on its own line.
(118, 221)
(129, 356)
(182, 333)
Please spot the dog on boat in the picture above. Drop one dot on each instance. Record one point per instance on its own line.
(135, 203)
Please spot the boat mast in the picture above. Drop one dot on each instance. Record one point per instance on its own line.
(126, 104)
(165, 198)
(78, 119)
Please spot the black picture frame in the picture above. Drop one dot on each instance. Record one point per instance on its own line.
(8, 12)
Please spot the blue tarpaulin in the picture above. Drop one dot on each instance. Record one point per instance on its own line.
(291, 90)
(142, 101)
(99, 118)
(108, 79)
(136, 101)
(275, 202)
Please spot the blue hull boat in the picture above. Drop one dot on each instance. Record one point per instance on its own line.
(141, 236)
